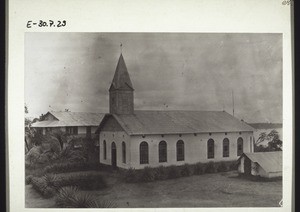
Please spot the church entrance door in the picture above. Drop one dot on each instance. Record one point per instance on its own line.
(113, 155)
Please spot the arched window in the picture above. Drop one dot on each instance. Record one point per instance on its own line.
(180, 150)
(104, 150)
(210, 148)
(123, 152)
(240, 146)
(225, 147)
(144, 153)
(162, 151)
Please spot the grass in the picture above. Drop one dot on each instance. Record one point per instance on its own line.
(209, 190)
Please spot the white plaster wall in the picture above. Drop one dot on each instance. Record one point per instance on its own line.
(241, 166)
(275, 174)
(118, 137)
(195, 148)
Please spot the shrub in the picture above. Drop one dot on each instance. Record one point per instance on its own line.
(72, 167)
(71, 197)
(210, 167)
(87, 181)
(186, 170)
(71, 155)
(173, 172)
(161, 173)
(147, 175)
(233, 165)
(131, 175)
(48, 185)
(223, 167)
(42, 187)
(199, 168)
(65, 196)
(28, 179)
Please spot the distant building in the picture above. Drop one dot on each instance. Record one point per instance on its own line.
(131, 138)
(74, 123)
(263, 164)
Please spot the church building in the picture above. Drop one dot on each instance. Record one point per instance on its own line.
(131, 138)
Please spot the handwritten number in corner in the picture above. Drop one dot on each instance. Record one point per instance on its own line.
(45, 24)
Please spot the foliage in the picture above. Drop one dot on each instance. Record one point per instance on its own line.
(161, 173)
(199, 168)
(186, 170)
(72, 167)
(130, 175)
(210, 167)
(173, 172)
(170, 172)
(28, 179)
(274, 143)
(49, 184)
(29, 131)
(71, 155)
(46, 185)
(222, 167)
(147, 175)
(71, 197)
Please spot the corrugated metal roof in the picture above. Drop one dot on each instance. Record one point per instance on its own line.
(265, 125)
(173, 122)
(269, 161)
(71, 119)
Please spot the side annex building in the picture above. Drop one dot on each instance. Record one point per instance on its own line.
(131, 138)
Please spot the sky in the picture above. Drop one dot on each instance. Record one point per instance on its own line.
(169, 71)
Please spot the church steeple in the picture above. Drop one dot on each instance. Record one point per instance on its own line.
(121, 90)
(121, 78)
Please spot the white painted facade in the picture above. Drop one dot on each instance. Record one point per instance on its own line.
(195, 148)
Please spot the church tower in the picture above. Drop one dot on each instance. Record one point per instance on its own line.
(121, 91)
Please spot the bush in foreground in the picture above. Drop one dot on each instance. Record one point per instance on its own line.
(210, 167)
(48, 185)
(187, 170)
(45, 185)
(170, 172)
(199, 168)
(130, 175)
(71, 197)
(173, 172)
(161, 173)
(147, 175)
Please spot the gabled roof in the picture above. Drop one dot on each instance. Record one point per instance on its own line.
(178, 122)
(121, 80)
(71, 119)
(265, 125)
(269, 161)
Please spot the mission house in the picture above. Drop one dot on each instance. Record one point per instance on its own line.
(131, 138)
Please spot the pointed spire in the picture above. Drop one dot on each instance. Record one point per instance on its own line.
(121, 80)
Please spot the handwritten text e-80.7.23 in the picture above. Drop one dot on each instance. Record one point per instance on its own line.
(49, 23)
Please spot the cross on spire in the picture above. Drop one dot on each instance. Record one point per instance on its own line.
(121, 47)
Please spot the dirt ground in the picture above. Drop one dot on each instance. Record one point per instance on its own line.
(209, 190)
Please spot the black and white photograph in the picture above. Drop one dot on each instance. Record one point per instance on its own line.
(153, 120)
(153, 105)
